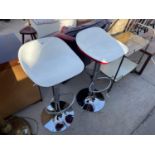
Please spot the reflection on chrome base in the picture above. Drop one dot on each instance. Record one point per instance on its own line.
(93, 103)
(57, 121)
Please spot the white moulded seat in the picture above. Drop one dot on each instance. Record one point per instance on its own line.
(49, 61)
(99, 45)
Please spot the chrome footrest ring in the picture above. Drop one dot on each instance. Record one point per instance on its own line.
(94, 90)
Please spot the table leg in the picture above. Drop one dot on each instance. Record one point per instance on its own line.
(32, 36)
(144, 64)
(23, 38)
(113, 80)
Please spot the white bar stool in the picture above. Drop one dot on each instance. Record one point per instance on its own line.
(48, 62)
(99, 46)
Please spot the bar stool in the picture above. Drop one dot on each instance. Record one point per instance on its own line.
(48, 62)
(99, 46)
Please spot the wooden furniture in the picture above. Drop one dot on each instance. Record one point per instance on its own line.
(28, 31)
(132, 33)
(134, 43)
(83, 21)
(16, 89)
(149, 53)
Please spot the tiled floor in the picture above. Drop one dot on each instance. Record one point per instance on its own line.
(129, 108)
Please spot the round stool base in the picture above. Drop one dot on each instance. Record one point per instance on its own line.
(57, 122)
(90, 103)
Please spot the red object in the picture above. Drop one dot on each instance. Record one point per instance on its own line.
(71, 39)
(64, 37)
(63, 29)
(68, 38)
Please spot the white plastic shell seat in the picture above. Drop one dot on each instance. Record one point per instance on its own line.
(49, 61)
(99, 45)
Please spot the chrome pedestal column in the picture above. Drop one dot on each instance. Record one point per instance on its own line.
(59, 115)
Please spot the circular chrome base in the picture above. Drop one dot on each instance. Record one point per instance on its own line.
(55, 121)
(92, 103)
(51, 109)
(17, 126)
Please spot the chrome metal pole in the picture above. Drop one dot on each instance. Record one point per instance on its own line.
(56, 97)
(94, 76)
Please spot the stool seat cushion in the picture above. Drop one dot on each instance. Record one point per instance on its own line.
(49, 61)
(99, 45)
